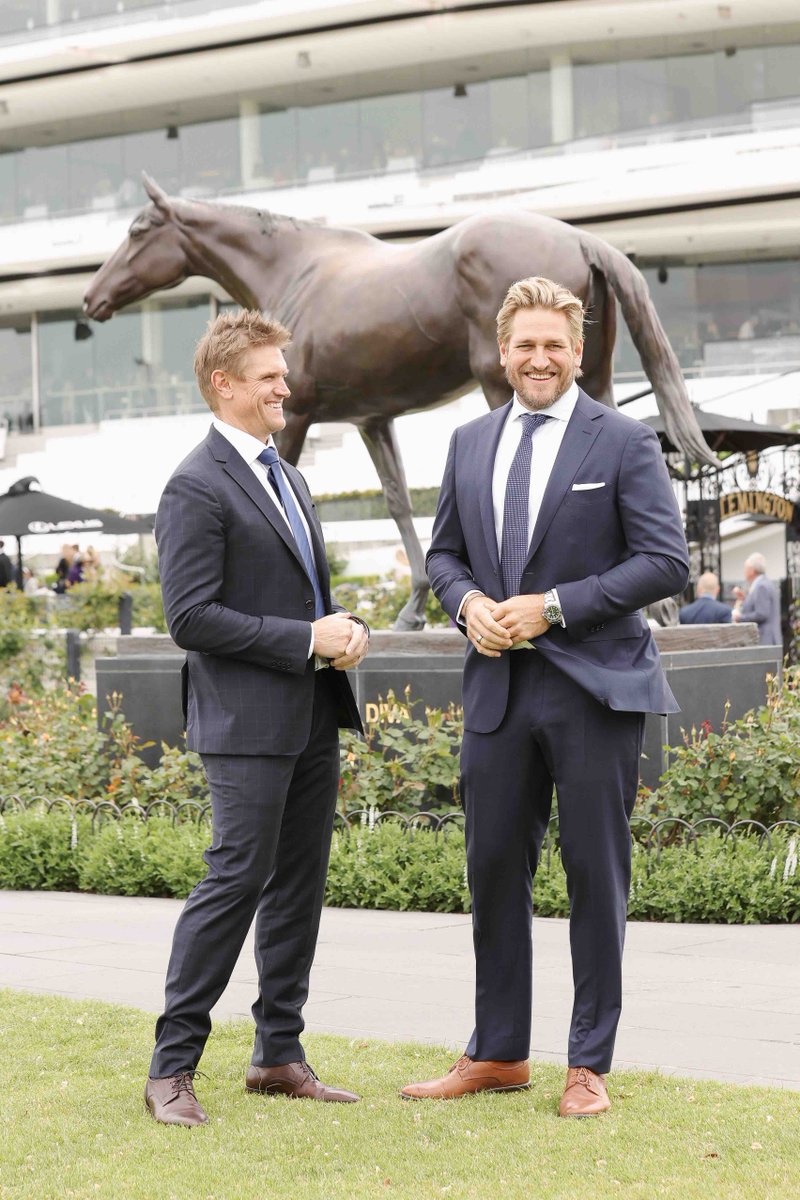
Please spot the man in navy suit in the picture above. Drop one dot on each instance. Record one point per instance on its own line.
(706, 609)
(247, 595)
(556, 524)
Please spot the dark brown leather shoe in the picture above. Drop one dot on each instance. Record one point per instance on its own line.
(468, 1076)
(296, 1080)
(585, 1094)
(172, 1101)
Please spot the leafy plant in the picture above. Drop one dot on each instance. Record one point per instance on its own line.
(749, 770)
(408, 760)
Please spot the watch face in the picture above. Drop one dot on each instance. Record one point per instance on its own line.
(552, 614)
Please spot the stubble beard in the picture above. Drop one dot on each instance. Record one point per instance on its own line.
(560, 385)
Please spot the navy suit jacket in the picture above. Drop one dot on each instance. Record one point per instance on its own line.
(238, 599)
(609, 550)
(705, 610)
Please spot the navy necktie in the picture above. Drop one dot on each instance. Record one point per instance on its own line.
(516, 536)
(271, 461)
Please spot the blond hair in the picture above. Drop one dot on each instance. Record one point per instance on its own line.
(538, 292)
(225, 343)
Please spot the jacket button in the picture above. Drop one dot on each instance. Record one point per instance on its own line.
(309, 603)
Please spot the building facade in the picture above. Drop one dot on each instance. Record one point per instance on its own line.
(669, 127)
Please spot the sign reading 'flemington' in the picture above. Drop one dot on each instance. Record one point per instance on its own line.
(762, 504)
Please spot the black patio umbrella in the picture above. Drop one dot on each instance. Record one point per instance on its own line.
(25, 510)
(729, 434)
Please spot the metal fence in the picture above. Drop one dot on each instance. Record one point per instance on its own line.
(651, 834)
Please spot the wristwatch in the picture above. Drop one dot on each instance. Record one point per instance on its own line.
(552, 609)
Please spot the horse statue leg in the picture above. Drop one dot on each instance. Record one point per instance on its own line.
(381, 443)
(290, 439)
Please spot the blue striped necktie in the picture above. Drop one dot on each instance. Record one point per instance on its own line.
(516, 536)
(271, 461)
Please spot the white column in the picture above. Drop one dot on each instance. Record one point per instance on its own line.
(36, 390)
(562, 122)
(249, 142)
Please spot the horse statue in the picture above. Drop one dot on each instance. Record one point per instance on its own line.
(381, 329)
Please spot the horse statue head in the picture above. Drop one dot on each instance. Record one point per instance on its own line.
(152, 257)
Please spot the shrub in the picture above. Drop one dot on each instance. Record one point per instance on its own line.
(380, 865)
(750, 770)
(131, 857)
(407, 760)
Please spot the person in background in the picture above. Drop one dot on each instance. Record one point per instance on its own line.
(760, 603)
(92, 567)
(62, 569)
(6, 567)
(75, 574)
(30, 584)
(707, 608)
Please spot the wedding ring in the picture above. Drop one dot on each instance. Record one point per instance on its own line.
(479, 638)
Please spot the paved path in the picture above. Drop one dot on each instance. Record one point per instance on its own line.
(720, 1002)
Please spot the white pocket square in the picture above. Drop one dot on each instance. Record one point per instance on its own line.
(586, 487)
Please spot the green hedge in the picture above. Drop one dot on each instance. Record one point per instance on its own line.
(729, 882)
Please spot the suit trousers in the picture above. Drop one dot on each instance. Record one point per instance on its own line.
(272, 823)
(553, 733)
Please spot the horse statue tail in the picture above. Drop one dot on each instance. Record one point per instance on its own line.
(658, 358)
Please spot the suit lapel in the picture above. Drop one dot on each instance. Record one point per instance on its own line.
(582, 429)
(234, 465)
(485, 455)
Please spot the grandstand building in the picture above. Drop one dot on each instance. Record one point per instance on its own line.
(669, 127)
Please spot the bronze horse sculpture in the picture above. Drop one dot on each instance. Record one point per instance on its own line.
(381, 329)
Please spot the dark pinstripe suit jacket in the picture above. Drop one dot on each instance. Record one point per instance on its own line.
(237, 598)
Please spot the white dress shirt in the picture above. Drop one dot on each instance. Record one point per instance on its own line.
(249, 448)
(546, 443)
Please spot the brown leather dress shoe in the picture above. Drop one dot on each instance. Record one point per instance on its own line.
(584, 1095)
(172, 1101)
(468, 1076)
(296, 1080)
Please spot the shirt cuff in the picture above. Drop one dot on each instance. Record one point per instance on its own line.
(464, 599)
(311, 647)
(558, 602)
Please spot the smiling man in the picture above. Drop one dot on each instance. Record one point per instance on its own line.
(247, 595)
(556, 524)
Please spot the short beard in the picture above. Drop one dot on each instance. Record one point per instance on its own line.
(533, 407)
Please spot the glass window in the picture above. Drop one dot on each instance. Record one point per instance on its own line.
(740, 80)
(391, 130)
(95, 173)
(155, 153)
(508, 115)
(209, 156)
(8, 186)
(691, 86)
(278, 147)
(644, 100)
(724, 317)
(782, 72)
(16, 396)
(328, 141)
(139, 361)
(170, 332)
(539, 104)
(456, 127)
(41, 180)
(595, 99)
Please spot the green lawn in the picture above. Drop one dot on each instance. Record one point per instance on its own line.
(73, 1124)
